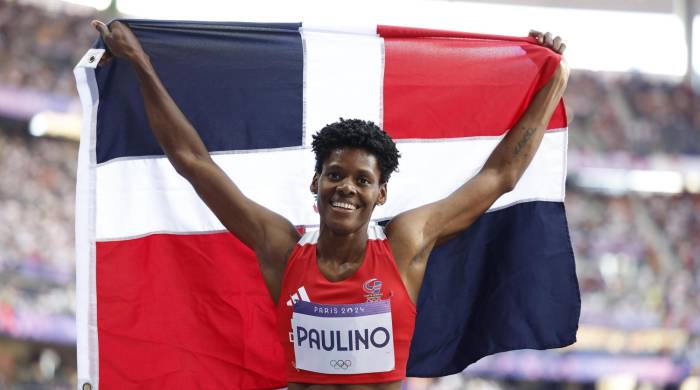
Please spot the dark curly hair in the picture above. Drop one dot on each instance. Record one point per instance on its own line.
(356, 133)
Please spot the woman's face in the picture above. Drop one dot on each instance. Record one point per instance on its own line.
(348, 189)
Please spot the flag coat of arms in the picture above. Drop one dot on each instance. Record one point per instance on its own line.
(167, 298)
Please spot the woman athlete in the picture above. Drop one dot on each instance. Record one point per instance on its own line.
(346, 294)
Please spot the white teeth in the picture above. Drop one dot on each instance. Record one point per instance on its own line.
(342, 205)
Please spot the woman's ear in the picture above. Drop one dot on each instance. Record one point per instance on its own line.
(314, 184)
(382, 194)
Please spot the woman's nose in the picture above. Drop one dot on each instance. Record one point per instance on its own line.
(346, 187)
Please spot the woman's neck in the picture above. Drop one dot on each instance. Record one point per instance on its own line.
(341, 248)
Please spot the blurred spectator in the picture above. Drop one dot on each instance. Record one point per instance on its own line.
(34, 366)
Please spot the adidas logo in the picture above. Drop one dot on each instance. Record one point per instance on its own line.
(300, 295)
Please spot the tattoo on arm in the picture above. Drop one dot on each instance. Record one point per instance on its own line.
(523, 141)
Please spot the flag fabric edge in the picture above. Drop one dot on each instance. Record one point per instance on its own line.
(86, 300)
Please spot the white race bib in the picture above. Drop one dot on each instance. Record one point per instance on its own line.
(343, 339)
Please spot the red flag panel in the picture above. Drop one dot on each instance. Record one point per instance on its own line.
(437, 84)
(185, 311)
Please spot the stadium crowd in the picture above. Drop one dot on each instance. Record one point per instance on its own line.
(679, 218)
(37, 266)
(631, 113)
(39, 48)
(661, 113)
(637, 259)
(38, 205)
(638, 255)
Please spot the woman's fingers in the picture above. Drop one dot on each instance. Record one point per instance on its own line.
(537, 35)
(101, 27)
(546, 39)
(557, 43)
(562, 47)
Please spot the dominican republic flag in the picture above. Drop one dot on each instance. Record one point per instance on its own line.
(167, 298)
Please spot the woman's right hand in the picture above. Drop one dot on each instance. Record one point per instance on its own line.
(120, 41)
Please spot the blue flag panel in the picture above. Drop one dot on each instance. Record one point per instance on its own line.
(508, 282)
(240, 84)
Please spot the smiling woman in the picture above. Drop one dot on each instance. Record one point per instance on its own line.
(354, 161)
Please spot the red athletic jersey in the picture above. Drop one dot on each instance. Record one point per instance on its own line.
(377, 279)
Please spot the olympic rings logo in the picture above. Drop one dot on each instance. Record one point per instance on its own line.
(338, 364)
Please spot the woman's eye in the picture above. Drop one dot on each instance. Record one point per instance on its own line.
(333, 176)
(363, 181)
